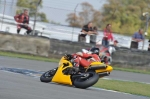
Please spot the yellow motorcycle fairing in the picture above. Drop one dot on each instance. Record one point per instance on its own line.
(108, 69)
(59, 77)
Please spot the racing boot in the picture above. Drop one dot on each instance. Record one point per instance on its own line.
(75, 68)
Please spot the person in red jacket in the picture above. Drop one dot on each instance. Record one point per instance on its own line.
(23, 21)
(107, 36)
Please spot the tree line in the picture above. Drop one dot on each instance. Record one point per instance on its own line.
(126, 16)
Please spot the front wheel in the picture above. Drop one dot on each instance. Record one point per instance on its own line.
(82, 82)
(47, 76)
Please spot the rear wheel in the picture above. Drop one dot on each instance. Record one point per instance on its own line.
(47, 76)
(85, 82)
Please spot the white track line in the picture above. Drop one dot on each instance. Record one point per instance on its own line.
(101, 89)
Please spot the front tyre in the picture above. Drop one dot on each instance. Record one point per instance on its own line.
(81, 82)
(47, 76)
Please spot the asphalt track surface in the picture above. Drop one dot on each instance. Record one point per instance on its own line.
(18, 86)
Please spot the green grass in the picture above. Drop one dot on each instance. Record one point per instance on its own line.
(33, 57)
(132, 70)
(27, 56)
(125, 86)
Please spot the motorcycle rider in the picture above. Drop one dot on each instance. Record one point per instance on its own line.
(83, 59)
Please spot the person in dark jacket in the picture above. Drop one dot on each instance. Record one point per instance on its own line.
(86, 30)
(93, 35)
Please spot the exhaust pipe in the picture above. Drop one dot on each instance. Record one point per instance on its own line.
(104, 74)
(79, 75)
(98, 67)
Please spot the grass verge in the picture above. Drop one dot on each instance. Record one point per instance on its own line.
(27, 56)
(33, 57)
(125, 86)
(132, 70)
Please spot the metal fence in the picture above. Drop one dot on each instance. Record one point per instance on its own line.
(57, 26)
(57, 19)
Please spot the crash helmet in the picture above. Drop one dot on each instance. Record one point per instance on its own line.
(95, 50)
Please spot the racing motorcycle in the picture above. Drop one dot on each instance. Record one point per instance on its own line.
(86, 77)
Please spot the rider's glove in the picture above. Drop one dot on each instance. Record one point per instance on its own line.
(68, 56)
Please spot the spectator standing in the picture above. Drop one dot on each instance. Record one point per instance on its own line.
(149, 45)
(23, 21)
(93, 35)
(86, 30)
(107, 36)
(136, 38)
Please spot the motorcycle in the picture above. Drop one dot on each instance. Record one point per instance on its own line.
(87, 76)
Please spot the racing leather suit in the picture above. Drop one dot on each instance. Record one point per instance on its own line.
(24, 20)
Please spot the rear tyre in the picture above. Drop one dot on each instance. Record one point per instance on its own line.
(47, 76)
(86, 82)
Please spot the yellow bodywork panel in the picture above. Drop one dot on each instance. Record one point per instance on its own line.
(97, 64)
(108, 69)
(59, 76)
